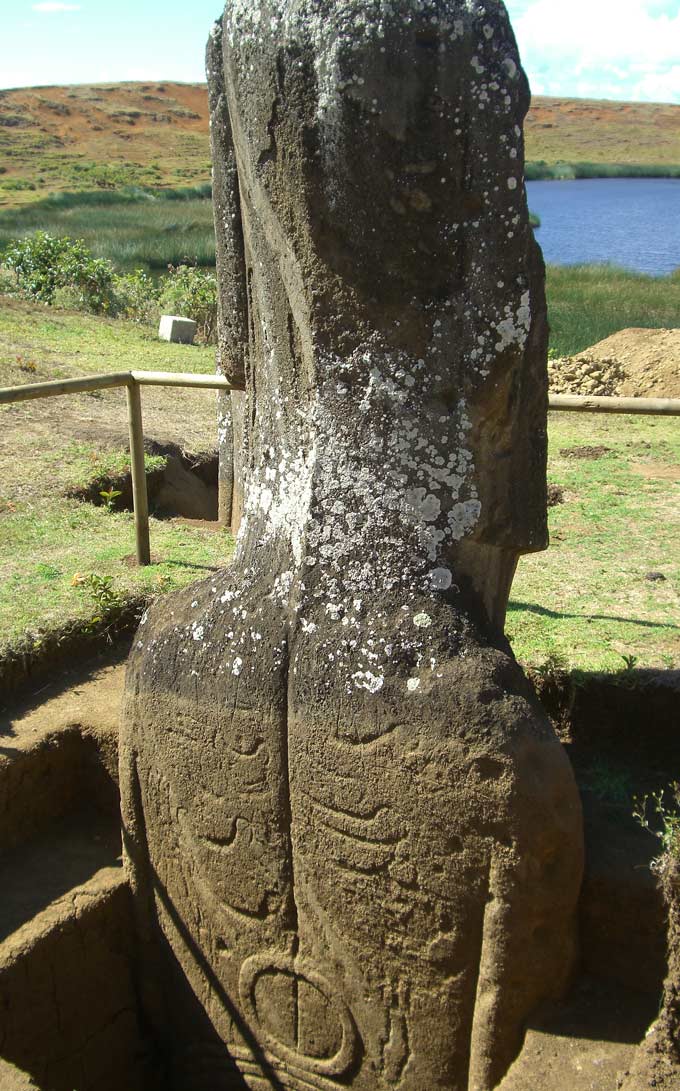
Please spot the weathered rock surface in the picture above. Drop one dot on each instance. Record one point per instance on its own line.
(354, 840)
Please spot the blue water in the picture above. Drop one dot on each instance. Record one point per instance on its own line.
(633, 222)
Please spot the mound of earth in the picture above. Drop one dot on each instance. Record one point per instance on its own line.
(633, 363)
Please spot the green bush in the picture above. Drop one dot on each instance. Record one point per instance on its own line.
(18, 184)
(136, 296)
(192, 292)
(44, 265)
(36, 260)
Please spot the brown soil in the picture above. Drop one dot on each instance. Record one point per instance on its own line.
(109, 124)
(661, 470)
(650, 358)
(584, 452)
(583, 1044)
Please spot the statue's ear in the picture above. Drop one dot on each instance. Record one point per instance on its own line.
(231, 266)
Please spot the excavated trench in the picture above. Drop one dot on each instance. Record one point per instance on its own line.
(185, 487)
(69, 1013)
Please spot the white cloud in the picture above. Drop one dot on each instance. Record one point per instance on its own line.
(53, 5)
(624, 48)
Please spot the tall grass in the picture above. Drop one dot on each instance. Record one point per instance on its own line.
(133, 227)
(587, 303)
(540, 170)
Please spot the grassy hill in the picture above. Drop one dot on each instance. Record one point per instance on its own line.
(101, 136)
(106, 136)
(599, 132)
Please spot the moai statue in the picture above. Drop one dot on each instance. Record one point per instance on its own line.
(354, 839)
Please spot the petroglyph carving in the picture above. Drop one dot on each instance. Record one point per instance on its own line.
(353, 838)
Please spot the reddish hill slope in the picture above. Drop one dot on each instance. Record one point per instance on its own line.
(110, 135)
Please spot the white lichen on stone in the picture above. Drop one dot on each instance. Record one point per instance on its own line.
(422, 621)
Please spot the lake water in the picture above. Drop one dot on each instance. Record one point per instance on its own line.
(634, 222)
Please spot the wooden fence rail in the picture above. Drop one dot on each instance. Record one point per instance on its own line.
(133, 380)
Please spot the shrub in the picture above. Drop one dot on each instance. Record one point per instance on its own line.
(8, 281)
(136, 296)
(36, 261)
(44, 264)
(192, 292)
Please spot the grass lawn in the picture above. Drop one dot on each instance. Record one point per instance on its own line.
(587, 599)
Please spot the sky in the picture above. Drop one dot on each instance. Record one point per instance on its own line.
(617, 49)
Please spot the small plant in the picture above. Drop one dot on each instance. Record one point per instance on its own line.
(609, 784)
(630, 662)
(109, 496)
(553, 666)
(136, 296)
(664, 822)
(101, 590)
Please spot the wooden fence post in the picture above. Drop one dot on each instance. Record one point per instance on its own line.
(140, 497)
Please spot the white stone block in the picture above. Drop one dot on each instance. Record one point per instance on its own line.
(174, 328)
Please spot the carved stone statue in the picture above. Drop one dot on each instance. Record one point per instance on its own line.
(354, 840)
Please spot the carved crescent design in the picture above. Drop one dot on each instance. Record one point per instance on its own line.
(272, 962)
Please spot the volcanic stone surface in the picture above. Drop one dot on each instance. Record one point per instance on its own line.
(354, 840)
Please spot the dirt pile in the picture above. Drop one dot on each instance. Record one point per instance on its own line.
(633, 363)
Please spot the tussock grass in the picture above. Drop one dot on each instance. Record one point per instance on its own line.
(133, 227)
(540, 170)
(587, 303)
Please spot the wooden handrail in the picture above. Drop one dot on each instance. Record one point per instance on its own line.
(571, 403)
(64, 386)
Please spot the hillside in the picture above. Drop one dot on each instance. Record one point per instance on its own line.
(156, 134)
(101, 136)
(586, 130)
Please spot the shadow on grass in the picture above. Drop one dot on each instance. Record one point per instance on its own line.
(190, 564)
(543, 611)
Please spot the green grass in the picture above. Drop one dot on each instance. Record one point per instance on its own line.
(587, 303)
(540, 170)
(133, 227)
(58, 542)
(38, 343)
(586, 600)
